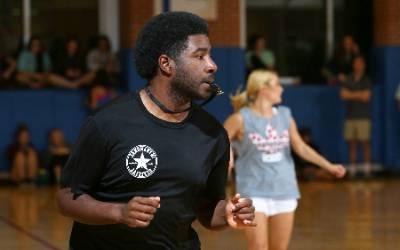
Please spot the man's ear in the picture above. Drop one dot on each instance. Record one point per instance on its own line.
(166, 64)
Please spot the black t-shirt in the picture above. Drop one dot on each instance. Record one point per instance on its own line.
(124, 151)
(357, 109)
(66, 62)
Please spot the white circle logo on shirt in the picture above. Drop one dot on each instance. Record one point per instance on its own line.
(141, 161)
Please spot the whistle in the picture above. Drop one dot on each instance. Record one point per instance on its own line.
(217, 89)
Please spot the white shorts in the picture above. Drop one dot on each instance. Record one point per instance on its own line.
(271, 207)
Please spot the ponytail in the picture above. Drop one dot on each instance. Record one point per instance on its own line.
(239, 100)
(256, 80)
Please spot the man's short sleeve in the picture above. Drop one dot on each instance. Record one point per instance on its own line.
(217, 178)
(215, 189)
(84, 168)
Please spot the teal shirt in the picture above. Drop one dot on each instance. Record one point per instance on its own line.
(266, 56)
(27, 62)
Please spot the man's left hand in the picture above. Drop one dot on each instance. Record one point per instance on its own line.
(240, 212)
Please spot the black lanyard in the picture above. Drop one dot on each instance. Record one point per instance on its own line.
(216, 91)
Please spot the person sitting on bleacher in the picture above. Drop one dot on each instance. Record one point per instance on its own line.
(7, 70)
(102, 61)
(259, 56)
(34, 68)
(340, 65)
(23, 157)
(71, 64)
(102, 58)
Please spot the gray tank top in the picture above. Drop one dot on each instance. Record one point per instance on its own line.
(264, 167)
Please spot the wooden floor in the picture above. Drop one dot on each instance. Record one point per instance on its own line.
(331, 215)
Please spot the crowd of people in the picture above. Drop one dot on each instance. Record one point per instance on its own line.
(334, 71)
(67, 67)
(27, 162)
(97, 70)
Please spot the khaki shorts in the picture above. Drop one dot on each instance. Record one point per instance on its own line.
(359, 130)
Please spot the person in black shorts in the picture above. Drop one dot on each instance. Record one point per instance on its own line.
(148, 164)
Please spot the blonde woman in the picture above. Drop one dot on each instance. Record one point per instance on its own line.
(263, 134)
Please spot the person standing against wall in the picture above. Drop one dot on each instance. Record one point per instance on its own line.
(356, 93)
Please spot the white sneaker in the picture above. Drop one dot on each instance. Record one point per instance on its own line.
(352, 170)
(367, 168)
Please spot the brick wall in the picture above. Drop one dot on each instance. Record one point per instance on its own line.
(133, 15)
(386, 22)
(224, 32)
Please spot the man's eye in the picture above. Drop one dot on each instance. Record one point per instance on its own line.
(200, 57)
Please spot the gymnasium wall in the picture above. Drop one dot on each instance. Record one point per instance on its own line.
(316, 107)
(41, 110)
(387, 68)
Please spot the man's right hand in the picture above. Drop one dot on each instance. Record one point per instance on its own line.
(139, 211)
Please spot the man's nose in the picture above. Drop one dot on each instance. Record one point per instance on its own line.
(211, 66)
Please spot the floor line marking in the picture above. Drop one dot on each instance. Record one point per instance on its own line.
(42, 241)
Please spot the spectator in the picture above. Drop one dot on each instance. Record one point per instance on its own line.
(7, 71)
(341, 64)
(102, 61)
(71, 63)
(101, 93)
(57, 154)
(102, 58)
(23, 157)
(356, 93)
(34, 67)
(258, 56)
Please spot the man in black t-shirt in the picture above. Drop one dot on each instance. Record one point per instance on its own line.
(150, 163)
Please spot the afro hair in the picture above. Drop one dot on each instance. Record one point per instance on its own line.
(167, 34)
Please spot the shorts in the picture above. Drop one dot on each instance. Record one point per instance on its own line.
(271, 207)
(359, 130)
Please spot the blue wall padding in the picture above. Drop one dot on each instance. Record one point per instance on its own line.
(128, 70)
(41, 110)
(388, 73)
(320, 109)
